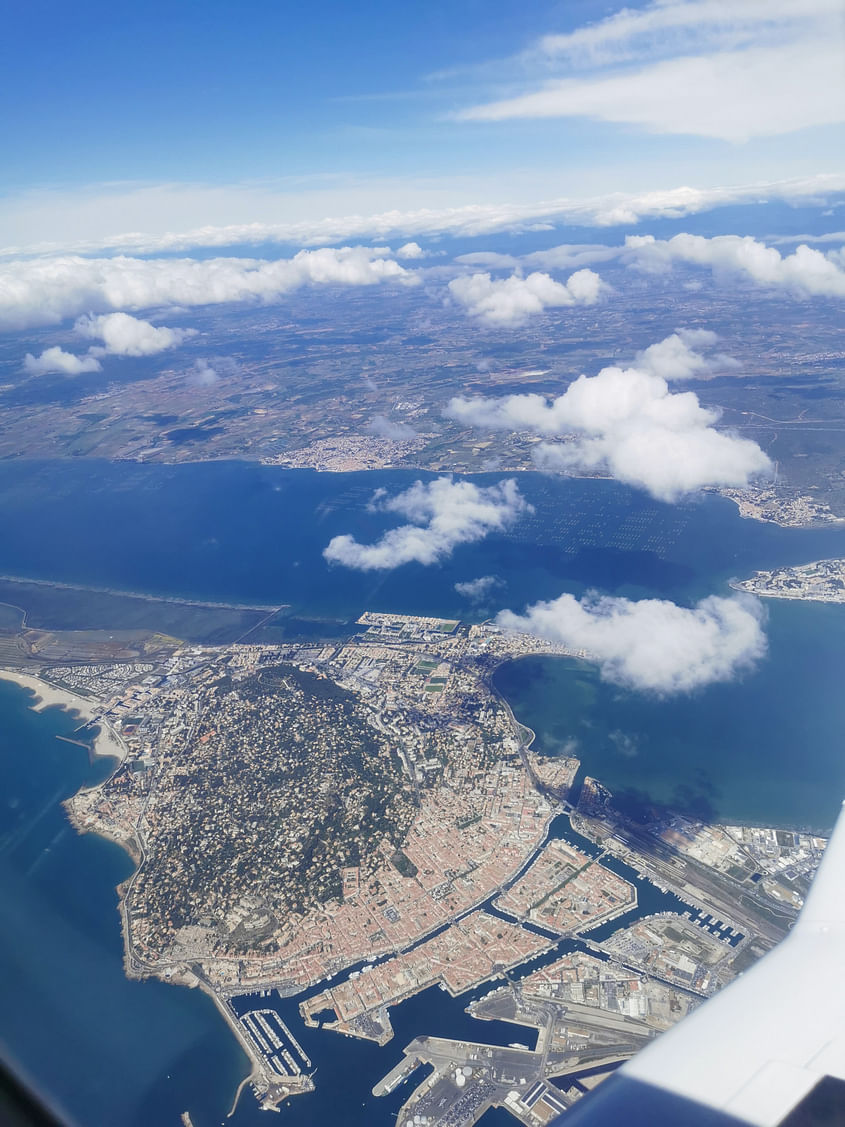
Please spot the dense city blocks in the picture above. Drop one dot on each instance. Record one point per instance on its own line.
(369, 811)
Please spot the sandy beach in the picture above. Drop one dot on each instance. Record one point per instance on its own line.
(87, 708)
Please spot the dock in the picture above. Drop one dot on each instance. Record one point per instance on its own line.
(398, 1074)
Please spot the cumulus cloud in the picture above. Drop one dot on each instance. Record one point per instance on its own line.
(806, 272)
(47, 290)
(681, 357)
(383, 427)
(692, 66)
(477, 590)
(628, 422)
(202, 374)
(208, 371)
(123, 335)
(443, 514)
(652, 645)
(510, 301)
(667, 445)
(57, 360)
(410, 250)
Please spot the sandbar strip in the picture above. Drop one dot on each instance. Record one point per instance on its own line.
(118, 593)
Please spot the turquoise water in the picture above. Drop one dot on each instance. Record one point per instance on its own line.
(116, 1052)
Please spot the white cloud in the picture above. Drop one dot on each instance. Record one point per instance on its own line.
(676, 358)
(510, 301)
(57, 360)
(667, 26)
(466, 220)
(383, 427)
(444, 513)
(410, 250)
(806, 272)
(123, 335)
(47, 290)
(203, 374)
(477, 590)
(668, 457)
(703, 67)
(653, 645)
(208, 371)
(628, 422)
(826, 237)
(732, 95)
(492, 259)
(567, 257)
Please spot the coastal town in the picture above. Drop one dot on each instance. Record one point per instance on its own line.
(821, 582)
(773, 504)
(369, 813)
(297, 392)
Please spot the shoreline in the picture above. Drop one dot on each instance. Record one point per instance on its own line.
(745, 513)
(145, 596)
(745, 823)
(790, 596)
(107, 744)
(130, 848)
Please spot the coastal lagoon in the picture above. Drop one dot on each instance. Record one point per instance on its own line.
(765, 749)
(242, 533)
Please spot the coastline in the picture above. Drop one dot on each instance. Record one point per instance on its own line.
(107, 743)
(787, 596)
(748, 511)
(144, 595)
(796, 826)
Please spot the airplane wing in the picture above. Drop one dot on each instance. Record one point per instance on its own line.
(768, 1050)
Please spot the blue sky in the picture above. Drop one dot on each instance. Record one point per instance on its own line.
(165, 116)
(224, 91)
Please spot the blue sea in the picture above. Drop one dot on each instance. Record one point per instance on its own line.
(114, 1052)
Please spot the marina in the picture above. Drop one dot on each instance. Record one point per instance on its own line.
(274, 1041)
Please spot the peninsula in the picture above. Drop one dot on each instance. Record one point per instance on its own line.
(368, 811)
(820, 582)
(295, 810)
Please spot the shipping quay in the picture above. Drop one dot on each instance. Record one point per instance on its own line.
(470, 1078)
